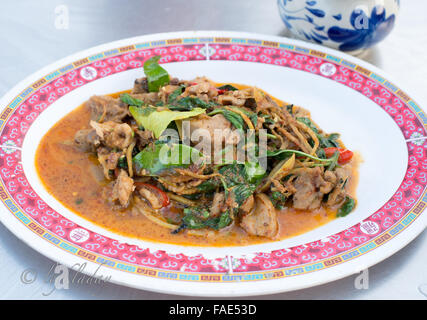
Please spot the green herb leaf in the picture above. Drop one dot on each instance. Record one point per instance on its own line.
(334, 161)
(347, 207)
(189, 103)
(227, 87)
(199, 218)
(156, 76)
(174, 95)
(158, 121)
(122, 163)
(254, 172)
(162, 156)
(237, 182)
(284, 153)
(235, 119)
(278, 199)
(325, 141)
(209, 185)
(128, 99)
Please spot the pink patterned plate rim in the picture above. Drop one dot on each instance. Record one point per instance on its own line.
(346, 94)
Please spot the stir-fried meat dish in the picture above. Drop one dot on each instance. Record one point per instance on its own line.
(147, 144)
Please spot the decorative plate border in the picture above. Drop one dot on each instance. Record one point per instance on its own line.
(395, 216)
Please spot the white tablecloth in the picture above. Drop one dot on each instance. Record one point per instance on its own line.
(29, 40)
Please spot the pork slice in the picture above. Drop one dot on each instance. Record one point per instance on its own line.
(217, 204)
(106, 108)
(214, 131)
(143, 138)
(151, 197)
(235, 98)
(87, 140)
(307, 195)
(112, 160)
(262, 220)
(202, 88)
(140, 85)
(123, 188)
(113, 134)
(339, 192)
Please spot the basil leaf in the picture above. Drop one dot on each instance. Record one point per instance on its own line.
(174, 95)
(122, 163)
(209, 185)
(189, 103)
(129, 100)
(325, 141)
(334, 161)
(237, 181)
(198, 218)
(227, 87)
(156, 76)
(278, 199)
(158, 121)
(347, 207)
(254, 172)
(235, 119)
(155, 159)
(283, 153)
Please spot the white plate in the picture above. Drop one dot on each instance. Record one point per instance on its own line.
(374, 116)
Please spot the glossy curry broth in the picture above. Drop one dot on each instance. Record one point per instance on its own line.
(76, 180)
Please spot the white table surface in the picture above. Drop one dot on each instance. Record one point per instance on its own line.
(29, 41)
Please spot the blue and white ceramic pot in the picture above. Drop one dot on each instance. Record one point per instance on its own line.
(347, 25)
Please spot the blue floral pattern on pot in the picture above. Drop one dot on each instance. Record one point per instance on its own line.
(338, 24)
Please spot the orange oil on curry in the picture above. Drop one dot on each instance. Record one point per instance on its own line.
(76, 180)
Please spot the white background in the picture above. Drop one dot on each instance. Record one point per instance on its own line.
(29, 41)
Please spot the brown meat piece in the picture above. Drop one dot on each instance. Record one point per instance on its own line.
(234, 98)
(310, 186)
(106, 108)
(201, 88)
(140, 85)
(248, 205)
(329, 182)
(308, 195)
(216, 130)
(112, 134)
(87, 140)
(108, 160)
(112, 160)
(151, 197)
(123, 188)
(262, 220)
(143, 138)
(217, 204)
(338, 194)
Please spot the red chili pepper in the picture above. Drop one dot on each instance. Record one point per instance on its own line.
(116, 172)
(344, 157)
(221, 91)
(165, 198)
